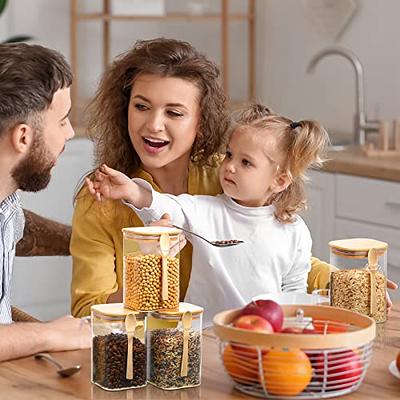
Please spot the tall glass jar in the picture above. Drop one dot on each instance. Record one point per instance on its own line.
(175, 352)
(119, 354)
(151, 268)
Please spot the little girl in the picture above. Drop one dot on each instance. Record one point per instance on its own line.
(262, 177)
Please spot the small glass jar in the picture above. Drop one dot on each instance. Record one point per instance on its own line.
(353, 253)
(116, 330)
(175, 352)
(151, 268)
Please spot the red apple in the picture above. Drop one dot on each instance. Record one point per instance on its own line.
(343, 369)
(296, 330)
(267, 309)
(398, 361)
(292, 329)
(253, 323)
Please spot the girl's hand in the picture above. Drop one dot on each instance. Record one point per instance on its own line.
(110, 184)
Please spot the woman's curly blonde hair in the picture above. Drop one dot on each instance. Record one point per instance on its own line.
(108, 111)
(303, 145)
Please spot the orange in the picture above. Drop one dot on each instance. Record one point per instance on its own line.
(242, 368)
(287, 372)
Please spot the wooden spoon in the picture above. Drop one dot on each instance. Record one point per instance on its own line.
(164, 247)
(130, 326)
(187, 325)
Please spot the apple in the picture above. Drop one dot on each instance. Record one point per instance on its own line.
(344, 368)
(398, 361)
(253, 323)
(297, 330)
(267, 309)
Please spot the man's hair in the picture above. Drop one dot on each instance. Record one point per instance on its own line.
(29, 77)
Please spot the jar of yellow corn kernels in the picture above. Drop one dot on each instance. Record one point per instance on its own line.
(151, 268)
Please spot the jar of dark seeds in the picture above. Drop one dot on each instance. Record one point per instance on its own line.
(119, 354)
(175, 352)
(151, 268)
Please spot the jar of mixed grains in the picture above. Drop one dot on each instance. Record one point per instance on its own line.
(119, 354)
(175, 351)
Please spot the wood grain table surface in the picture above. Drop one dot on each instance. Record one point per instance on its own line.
(28, 378)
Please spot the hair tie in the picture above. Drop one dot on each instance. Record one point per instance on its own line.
(295, 125)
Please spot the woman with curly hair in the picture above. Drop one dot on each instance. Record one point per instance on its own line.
(159, 114)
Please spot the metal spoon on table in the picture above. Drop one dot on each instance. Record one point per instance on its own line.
(64, 372)
(217, 243)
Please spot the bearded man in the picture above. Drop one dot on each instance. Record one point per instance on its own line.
(35, 105)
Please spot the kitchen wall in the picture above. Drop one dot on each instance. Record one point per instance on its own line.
(290, 37)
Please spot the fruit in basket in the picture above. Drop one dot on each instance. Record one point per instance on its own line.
(328, 326)
(268, 309)
(253, 323)
(241, 368)
(287, 372)
(344, 368)
(297, 330)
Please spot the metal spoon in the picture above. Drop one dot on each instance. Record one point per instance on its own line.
(64, 372)
(217, 243)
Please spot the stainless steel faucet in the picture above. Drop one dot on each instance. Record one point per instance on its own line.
(361, 124)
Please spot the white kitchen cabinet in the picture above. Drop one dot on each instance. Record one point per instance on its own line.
(370, 200)
(41, 285)
(345, 206)
(320, 214)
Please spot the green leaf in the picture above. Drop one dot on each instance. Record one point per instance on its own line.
(17, 39)
(3, 4)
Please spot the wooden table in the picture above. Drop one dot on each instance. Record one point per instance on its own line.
(31, 379)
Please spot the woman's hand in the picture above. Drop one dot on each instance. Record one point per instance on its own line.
(165, 220)
(393, 286)
(110, 184)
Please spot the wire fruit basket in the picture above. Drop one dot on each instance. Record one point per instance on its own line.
(329, 359)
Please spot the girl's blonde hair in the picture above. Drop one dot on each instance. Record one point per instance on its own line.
(108, 111)
(303, 145)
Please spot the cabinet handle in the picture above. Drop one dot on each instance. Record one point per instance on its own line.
(392, 204)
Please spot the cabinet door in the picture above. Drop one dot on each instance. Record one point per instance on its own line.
(41, 285)
(369, 200)
(320, 215)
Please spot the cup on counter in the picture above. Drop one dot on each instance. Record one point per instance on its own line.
(321, 297)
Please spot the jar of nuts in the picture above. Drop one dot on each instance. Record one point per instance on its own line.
(151, 268)
(175, 351)
(119, 353)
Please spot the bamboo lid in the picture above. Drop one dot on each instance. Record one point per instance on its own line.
(151, 230)
(178, 312)
(114, 310)
(357, 247)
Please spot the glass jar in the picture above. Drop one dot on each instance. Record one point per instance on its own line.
(151, 268)
(119, 354)
(175, 351)
(353, 253)
(360, 283)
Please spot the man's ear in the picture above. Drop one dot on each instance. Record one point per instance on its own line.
(281, 182)
(22, 138)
